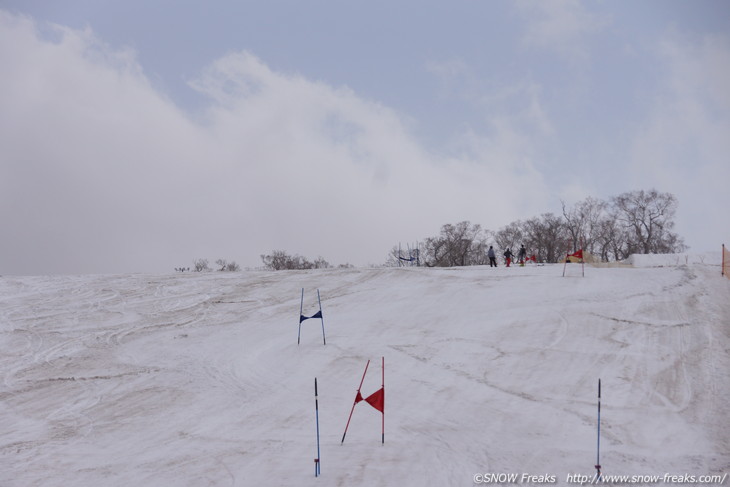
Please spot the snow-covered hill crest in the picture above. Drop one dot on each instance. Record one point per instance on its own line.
(197, 379)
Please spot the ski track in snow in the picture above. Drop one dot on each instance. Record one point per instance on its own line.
(197, 379)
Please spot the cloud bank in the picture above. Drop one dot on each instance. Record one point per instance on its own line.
(683, 143)
(102, 173)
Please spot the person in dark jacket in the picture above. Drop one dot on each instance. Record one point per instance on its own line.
(522, 255)
(492, 257)
(508, 256)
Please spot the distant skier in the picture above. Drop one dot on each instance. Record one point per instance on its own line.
(492, 257)
(508, 256)
(522, 255)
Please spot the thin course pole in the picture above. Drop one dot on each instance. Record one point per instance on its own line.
(358, 398)
(316, 412)
(324, 339)
(598, 441)
(301, 309)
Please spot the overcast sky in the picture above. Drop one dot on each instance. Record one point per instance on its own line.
(137, 136)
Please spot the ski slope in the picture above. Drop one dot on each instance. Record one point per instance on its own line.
(197, 379)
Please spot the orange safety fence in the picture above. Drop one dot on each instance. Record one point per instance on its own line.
(725, 262)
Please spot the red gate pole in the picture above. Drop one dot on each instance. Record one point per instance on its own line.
(358, 398)
(383, 422)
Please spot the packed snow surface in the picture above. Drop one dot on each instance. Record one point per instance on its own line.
(197, 379)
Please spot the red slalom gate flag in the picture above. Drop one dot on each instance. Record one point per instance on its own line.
(377, 400)
(578, 255)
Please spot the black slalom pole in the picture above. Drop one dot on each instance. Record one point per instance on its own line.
(316, 412)
(324, 338)
(598, 442)
(301, 317)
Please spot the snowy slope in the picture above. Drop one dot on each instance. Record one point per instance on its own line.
(197, 379)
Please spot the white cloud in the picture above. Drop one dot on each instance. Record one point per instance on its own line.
(682, 147)
(560, 25)
(455, 78)
(100, 172)
(89, 152)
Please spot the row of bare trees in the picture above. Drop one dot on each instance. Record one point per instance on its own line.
(636, 222)
(201, 265)
(279, 260)
(633, 222)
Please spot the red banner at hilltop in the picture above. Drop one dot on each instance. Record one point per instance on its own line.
(577, 255)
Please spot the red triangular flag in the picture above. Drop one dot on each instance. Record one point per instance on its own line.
(358, 398)
(377, 400)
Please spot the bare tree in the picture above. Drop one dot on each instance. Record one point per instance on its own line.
(280, 260)
(201, 265)
(393, 259)
(584, 222)
(457, 245)
(399, 256)
(227, 266)
(320, 263)
(611, 241)
(648, 216)
(277, 260)
(546, 237)
(510, 237)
